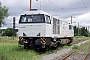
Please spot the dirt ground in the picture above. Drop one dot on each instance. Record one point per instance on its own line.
(57, 56)
(74, 57)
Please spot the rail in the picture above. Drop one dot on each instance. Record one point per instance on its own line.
(67, 56)
(85, 57)
(64, 58)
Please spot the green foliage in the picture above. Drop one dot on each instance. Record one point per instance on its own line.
(9, 32)
(75, 47)
(9, 50)
(3, 14)
(3, 57)
(80, 39)
(0, 30)
(84, 48)
(82, 31)
(75, 31)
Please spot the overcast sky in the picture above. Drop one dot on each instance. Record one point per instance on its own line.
(64, 9)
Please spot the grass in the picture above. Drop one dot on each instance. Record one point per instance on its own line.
(79, 39)
(5, 39)
(9, 50)
(75, 47)
(56, 49)
(83, 48)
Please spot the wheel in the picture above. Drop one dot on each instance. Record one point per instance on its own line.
(70, 42)
(53, 44)
(25, 46)
(47, 48)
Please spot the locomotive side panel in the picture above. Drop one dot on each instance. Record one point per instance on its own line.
(63, 32)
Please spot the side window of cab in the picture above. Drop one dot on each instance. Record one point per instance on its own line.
(70, 27)
(48, 20)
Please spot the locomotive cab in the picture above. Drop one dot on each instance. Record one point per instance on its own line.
(34, 30)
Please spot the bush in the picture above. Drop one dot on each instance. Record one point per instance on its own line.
(9, 32)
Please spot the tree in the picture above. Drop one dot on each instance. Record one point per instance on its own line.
(3, 14)
(86, 32)
(82, 31)
(9, 32)
(75, 31)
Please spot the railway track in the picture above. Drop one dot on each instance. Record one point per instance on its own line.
(71, 56)
(87, 56)
(65, 57)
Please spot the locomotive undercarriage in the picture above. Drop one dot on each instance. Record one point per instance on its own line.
(43, 42)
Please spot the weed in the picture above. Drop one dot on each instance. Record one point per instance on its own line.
(10, 51)
(3, 57)
(75, 47)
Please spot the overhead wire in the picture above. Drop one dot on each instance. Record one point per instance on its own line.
(85, 6)
(58, 6)
(65, 11)
(62, 6)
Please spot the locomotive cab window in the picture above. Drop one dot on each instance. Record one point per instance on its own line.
(70, 27)
(36, 18)
(48, 19)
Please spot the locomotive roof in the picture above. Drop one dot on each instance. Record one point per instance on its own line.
(40, 12)
(35, 12)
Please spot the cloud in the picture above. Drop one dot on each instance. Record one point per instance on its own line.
(60, 8)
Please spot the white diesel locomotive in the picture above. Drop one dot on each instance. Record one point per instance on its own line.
(38, 30)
